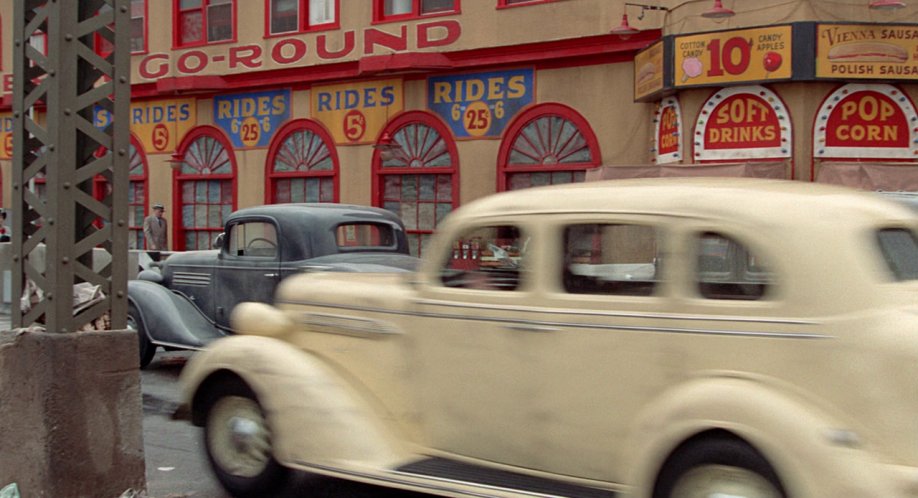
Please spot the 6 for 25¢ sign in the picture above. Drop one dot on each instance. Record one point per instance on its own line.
(480, 104)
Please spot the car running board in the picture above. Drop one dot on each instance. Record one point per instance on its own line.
(465, 473)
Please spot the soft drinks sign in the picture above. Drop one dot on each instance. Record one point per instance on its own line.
(747, 122)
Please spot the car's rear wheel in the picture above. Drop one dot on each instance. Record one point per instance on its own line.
(720, 467)
(147, 348)
(238, 442)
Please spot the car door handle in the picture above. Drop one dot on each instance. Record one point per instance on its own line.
(270, 275)
(531, 328)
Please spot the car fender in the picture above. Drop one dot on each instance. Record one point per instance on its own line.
(170, 319)
(316, 417)
(802, 442)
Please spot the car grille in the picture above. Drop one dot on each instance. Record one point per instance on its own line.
(193, 279)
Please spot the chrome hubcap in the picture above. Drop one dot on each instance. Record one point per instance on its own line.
(238, 436)
(723, 481)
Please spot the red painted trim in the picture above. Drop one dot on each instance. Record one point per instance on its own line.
(502, 4)
(146, 28)
(178, 243)
(177, 27)
(303, 22)
(403, 62)
(525, 117)
(403, 119)
(278, 139)
(190, 84)
(603, 49)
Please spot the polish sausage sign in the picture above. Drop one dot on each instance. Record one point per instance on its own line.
(866, 121)
(748, 122)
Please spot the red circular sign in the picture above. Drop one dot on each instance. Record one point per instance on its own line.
(8, 145)
(867, 119)
(160, 137)
(355, 125)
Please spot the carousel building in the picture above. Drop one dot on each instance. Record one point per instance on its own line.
(419, 106)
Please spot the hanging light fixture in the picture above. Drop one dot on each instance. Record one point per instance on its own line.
(886, 4)
(718, 11)
(387, 146)
(624, 29)
(175, 160)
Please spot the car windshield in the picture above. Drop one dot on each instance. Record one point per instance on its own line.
(900, 251)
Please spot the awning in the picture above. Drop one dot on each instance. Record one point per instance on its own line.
(776, 170)
(887, 177)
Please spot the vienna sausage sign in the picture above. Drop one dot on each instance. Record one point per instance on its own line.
(748, 122)
(868, 51)
(866, 121)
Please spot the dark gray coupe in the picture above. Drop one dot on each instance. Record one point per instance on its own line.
(187, 304)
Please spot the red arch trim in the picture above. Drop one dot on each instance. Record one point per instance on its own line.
(402, 120)
(532, 113)
(178, 243)
(281, 135)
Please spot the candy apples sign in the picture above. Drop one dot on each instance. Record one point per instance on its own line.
(747, 122)
(733, 56)
(866, 121)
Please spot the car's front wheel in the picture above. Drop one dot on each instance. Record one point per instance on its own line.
(238, 442)
(720, 467)
(147, 348)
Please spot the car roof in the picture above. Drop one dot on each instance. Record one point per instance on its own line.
(321, 213)
(752, 199)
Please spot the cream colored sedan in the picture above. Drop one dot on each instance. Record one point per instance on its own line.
(668, 338)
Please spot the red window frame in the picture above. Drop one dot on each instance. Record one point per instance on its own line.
(303, 25)
(379, 10)
(381, 172)
(504, 4)
(179, 178)
(104, 48)
(178, 14)
(506, 169)
(145, 29)
(138, 157)
(272, 177)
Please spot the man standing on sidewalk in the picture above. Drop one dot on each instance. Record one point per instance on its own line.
(155, 231)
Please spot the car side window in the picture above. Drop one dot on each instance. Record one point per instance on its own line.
(726, 269)
(486, 258)
(253, 239)
(619, 259)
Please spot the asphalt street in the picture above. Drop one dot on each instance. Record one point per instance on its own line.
(176, 463)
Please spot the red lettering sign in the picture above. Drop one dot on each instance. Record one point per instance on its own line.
(289, 51)
(668, 138)
(742, 121)
(867, 119)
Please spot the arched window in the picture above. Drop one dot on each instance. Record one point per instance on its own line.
(546, 145)
(137, 194)
(206, 184)
(417, 178)
(302, 165)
